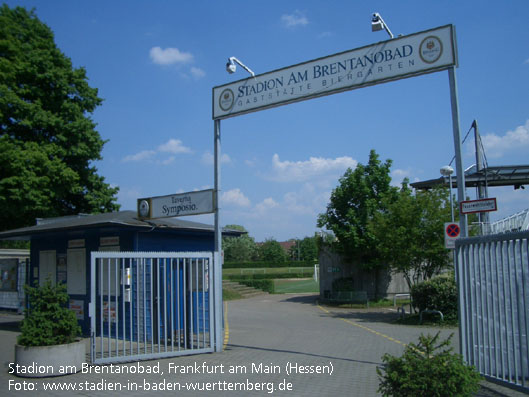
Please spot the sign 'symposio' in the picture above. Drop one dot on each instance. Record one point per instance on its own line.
(419, 53)
(183, 204)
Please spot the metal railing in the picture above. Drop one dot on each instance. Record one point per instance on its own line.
(493, 275)
(514, 223)
(150, 305)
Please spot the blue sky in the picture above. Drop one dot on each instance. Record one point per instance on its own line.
(155, 64)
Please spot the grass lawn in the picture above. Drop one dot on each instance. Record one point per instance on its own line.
(296, 286)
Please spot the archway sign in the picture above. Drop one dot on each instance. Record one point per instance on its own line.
(419, 53)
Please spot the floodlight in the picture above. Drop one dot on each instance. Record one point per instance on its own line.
(231, 67)
(447, 170)
(377, 23)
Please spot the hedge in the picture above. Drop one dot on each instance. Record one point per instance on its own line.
(261, 264)
(265, 285)
(261, 276)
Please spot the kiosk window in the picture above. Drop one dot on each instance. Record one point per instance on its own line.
(8, 275)
(76, 263)
(47, 267)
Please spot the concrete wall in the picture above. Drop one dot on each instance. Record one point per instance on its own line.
(379, 283)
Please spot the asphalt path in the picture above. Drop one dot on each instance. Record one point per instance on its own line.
(284, 345)
(285, 329)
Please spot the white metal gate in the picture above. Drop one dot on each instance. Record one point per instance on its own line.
(147, 305)
(493, 276)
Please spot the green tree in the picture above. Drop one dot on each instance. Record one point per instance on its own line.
(47, 139)
(305, 249)
(410, 233)
(271, 251)
(362, 193)
(239, 249)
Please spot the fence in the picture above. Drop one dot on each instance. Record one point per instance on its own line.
(150, 305)
(492, 273)
(514, 223)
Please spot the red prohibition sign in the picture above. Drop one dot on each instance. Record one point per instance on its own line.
(453, 230)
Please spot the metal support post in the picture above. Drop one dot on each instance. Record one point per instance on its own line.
(484, 221)
(460, 196)
(217, 262)
(457, 146)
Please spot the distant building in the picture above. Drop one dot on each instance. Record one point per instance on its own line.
(380, 283)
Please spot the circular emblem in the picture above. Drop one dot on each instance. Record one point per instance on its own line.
(144, 208)
(226, 100)
(431, 49)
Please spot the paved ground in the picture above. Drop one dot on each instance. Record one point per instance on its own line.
(283, 345)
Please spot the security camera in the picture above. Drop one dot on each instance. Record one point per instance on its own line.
(231, 67)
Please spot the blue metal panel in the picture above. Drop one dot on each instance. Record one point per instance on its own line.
(175, 241)
(200, 309)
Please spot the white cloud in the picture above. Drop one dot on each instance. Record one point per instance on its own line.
(140, 156)
(398, 175)
(174, 146)
(298, 203)
(293, 20)
(169, 160)
(292, 215)
(265, 205)
(197, 73)
(208, 159)
(235, 197)
(250, 163)
(169, 56)
(526, 61)
(497, 146)
(299, 171)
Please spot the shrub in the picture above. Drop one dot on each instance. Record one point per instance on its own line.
(439, 293)
(47, 321)
(427, 369)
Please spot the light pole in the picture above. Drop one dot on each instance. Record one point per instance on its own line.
(217, 270)
(231, 67)
(448, 171)
(377, 23)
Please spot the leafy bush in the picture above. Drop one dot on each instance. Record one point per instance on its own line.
(427, 369)
(47, 321)
(439, 293)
